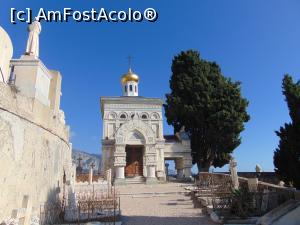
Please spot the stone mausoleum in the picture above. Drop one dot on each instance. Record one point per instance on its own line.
(133, 144)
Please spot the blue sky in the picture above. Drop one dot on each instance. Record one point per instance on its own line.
(253, 41)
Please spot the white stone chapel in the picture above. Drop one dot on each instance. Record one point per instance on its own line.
(133, 144)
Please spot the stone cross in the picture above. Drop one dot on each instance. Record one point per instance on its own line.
(93, 165)
(79, 160)
(91, 173)
(233, 173)
(32, 47)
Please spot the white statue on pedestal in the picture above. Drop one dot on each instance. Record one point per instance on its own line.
(32, 47)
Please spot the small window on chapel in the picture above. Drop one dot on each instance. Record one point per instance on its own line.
(135, 89)
(130, 87)
(125, 88)
(123, 116)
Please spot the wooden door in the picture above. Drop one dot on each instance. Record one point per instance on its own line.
(134, 161)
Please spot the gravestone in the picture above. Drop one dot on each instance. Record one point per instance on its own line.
(252, 184)
(233, 173)
(108, 177)
(22, 215)
(91, 173)
(265, 200)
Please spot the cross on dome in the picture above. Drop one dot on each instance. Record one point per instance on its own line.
(130, 58)
(130, 82)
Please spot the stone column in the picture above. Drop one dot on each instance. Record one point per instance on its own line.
(151, 178)
(160, 168)
(187, 167)
(119, 175)
(119, 164)
(151, 171)
(119, 172)
(151, 165)
(179, 165)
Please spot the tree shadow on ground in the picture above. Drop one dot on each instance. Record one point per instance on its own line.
(181, 202)
(152, 220)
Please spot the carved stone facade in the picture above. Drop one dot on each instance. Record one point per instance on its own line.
(138, 121)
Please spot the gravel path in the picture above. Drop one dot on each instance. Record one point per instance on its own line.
(161, 204)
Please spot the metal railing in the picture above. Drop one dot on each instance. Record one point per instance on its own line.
(216, 188)
(85, 177)
(89, 206)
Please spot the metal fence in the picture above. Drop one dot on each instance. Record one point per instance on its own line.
(246, 204)
(51, 214)
(89, 206)
(217, 190)
(84, 177)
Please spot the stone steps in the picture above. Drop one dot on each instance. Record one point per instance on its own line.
(136, 180)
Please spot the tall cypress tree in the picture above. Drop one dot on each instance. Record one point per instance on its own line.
(209, 106)
(287, 155)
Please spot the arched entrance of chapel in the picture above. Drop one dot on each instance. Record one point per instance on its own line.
(135, 154)
(135, 141)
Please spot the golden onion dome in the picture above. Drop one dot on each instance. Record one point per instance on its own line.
(129, 76)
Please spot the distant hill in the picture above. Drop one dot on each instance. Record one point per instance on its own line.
(87, 159)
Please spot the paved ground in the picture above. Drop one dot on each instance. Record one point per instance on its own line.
(162, 204)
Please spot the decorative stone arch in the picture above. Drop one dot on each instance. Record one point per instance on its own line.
(155, 116)
(121, 114)
(145, 114)
(135, 137)
(111, 115)
(123, 133)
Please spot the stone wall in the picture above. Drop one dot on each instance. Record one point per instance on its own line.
(268, 177)
(6, 53)
(34, 155)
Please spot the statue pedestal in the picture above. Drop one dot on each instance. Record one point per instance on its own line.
(34, 80)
